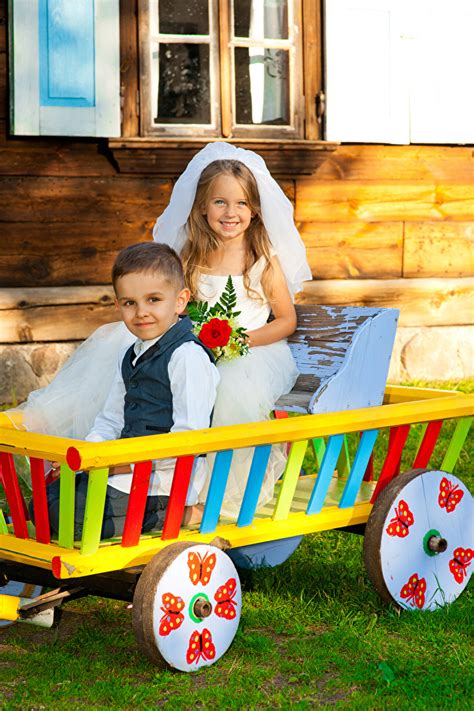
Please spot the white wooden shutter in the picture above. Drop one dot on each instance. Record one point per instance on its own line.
(441, 72)
(65, 67)
(366, 92)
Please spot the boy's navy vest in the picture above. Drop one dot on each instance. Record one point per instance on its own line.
(148, 401)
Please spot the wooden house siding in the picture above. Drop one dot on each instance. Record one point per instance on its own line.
(383, 225)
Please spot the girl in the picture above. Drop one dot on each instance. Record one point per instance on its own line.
(240, 223)
(226, 215)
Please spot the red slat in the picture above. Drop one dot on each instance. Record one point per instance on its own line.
(14, 496)
(369, 472)
(136, 504)
(280, 414)
(428, 444)
(40, 502)
(392, 461)
(177, 502)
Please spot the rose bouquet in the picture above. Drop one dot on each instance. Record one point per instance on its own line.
(217, 326)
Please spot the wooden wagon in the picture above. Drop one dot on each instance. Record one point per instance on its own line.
(183, 580)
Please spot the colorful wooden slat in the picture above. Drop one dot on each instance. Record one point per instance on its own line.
(392, 460)
(290, 480)
(319, 447)
(67, 497)
(177, 502)
(427, 445)
(456, 444)
(40, 501)
(421, 435)
(343, 465)
(14, 496)
(369, 471)
(391, 437)
(359, 467)
(3, 524)
(215, 495)
(331, 455)
(136, 504)
(94, 511)
(254, 484)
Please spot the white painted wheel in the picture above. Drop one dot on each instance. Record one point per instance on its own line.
(186, 607)
(418, 543)
(16, 589)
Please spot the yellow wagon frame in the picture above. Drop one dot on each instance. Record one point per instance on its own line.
(402, 406)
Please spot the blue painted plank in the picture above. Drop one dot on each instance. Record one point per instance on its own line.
(361, 460)
(66, 52)
(254, 484)
(215, 495)
(331, 455)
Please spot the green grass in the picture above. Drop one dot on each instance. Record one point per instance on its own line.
(313, 634)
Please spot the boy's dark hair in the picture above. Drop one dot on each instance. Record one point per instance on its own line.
(149, 257)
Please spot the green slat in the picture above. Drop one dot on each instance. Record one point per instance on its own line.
(290, 480)
(66, 507)
(94, 513)
(424, 427)
(319, 448)
(455, 446)
(3, 523)
(344, 463)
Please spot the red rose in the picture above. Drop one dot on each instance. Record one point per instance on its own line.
(215, 333)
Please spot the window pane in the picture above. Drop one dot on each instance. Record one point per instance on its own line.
(262, 86)
(188, 17)
(259, 19)
(183, 83)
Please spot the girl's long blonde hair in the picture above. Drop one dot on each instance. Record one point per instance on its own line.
(202, 241)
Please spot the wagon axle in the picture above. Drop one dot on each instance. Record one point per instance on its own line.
(202, 608)
(437, 544)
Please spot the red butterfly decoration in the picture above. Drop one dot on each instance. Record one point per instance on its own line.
(449, 495)
(401, 522)
(200, 645)
(414, 591)
(225, 600)
(200, 568)
(460, 562)
(173, 617)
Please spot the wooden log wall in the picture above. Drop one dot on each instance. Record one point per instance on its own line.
(383, 225)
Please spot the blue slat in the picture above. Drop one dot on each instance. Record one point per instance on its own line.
(323, 480)
(215, 495)
(67, 55)
(254, 484)
(361, 460)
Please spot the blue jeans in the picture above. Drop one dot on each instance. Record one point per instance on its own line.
(116, 503)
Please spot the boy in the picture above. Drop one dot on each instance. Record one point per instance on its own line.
(165, 382)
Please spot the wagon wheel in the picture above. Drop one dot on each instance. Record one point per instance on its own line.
(186, 606)
(418, 542)
(16, 589)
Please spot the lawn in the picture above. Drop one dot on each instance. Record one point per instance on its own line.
(313, 633)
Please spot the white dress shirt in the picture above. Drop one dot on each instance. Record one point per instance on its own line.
(193, 382)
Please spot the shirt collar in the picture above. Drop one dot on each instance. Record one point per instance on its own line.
(140, 347)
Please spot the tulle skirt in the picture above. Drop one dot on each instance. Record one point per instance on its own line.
(247, 392)
(68, 406)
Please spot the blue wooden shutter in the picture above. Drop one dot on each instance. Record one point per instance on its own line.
(65, 67)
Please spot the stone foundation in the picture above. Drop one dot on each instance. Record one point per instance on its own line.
(428, 353)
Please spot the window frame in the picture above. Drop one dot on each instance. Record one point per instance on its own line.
(222, 76)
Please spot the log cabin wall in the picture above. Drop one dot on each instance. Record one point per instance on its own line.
(383, 225)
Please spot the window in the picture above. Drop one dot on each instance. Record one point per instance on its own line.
(230, 68)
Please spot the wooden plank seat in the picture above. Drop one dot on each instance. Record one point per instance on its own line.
(343, 355)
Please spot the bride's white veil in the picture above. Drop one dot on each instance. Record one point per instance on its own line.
(277, 210)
